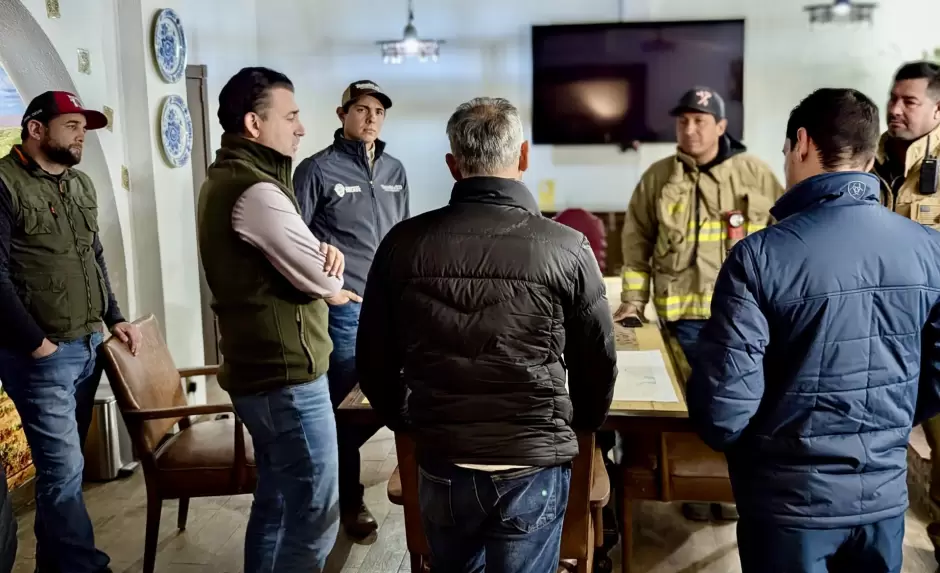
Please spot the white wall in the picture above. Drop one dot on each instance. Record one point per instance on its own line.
(222, 35)
(324, 46)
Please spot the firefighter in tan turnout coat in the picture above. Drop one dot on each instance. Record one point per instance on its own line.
(684, 216)
(910, 187)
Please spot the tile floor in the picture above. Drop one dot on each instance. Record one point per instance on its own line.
(213, 540)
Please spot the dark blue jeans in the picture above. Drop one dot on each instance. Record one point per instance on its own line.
(769, 548)
(54, 397)
(505, 522)
(686, 333)
(343, 328)
(295, 514)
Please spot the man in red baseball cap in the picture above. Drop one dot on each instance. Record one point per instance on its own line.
(54, 297)
(68, 110)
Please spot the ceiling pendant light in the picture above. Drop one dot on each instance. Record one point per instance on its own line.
(841, 11)
(410, 46)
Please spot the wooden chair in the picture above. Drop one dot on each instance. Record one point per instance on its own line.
(582, 531)
(203, 459)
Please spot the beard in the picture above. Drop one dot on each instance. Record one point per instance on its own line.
(61, 154)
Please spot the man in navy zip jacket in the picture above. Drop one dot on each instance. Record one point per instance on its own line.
(822, 351)
(351, 194)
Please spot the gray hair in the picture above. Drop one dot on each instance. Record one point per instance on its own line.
(485, 136)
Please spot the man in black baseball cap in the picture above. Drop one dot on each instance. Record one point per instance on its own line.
(55, 297)
(714, 193)
(353, 192)
(701, 100)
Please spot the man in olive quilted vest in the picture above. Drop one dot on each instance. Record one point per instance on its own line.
(54, 298)
(271, 280)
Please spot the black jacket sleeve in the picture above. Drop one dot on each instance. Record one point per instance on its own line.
(306, 189)
(379, 355)
(113, 315)
(590, 351)
(20, 331)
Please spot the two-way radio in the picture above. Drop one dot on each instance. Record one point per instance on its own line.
(928, 173)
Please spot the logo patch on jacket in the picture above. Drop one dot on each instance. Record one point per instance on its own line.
(392, 188)
(341, 189)
(856, 189)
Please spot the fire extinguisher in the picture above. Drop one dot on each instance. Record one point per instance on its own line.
(734, 228)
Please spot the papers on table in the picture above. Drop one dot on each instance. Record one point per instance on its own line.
(642, 377)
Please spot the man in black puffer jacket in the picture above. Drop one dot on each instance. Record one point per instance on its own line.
(471, 316)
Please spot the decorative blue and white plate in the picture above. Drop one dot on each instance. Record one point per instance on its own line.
(169, 45)
(176, 131)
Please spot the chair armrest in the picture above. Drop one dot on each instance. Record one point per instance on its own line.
(199, 371)
(178, 412)
(394, 488)
(600, 481)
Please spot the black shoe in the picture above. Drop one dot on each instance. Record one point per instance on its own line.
(697, 511)
(358, 521)
(933, 532)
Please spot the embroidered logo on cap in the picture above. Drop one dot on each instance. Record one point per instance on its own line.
(703, 97)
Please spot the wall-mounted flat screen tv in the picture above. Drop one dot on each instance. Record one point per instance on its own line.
(616, 83)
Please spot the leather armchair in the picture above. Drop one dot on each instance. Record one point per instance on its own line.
(203, 459)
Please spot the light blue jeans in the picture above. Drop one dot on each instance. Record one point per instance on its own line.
(295, 515)
(54, 397)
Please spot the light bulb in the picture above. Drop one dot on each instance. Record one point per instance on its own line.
(842, 8)
(411, 46)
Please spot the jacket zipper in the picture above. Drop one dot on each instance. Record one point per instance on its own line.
(303, 341)
(375, 204)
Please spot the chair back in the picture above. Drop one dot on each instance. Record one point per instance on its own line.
(577, 536)
(593, 228)
(408, 469)
(147, 381)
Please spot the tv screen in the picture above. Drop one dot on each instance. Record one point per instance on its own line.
(616, 83)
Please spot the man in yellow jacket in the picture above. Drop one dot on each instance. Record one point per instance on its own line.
(685, 214)
(906, 165)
